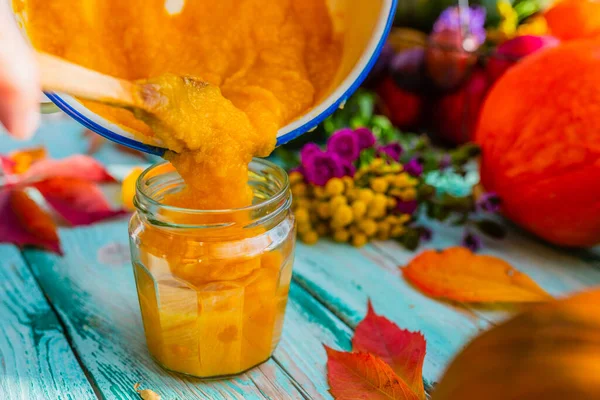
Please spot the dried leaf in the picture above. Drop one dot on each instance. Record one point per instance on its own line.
(146, 394)
(363, 376)
(23, 159)
(77, 166)
(402, 350)
(77, 201)
(458, 274)
(23, 222)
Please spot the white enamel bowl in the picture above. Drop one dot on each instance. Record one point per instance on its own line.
(364, 24)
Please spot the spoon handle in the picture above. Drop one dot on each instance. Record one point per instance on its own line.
(58, 75)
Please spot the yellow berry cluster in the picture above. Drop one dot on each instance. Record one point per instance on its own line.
(354, 210)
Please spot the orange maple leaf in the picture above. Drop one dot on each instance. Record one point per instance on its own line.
(402, 350)
(458, 274)
(364, 376)
(23, 159)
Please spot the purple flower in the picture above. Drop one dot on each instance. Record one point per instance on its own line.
(307, 152)
(489, 202)
(322, 167)
(344, 143)
(471, 242)
(392, 150)
(414, 167)
(365, 137)
(452, 19)
(406, 207)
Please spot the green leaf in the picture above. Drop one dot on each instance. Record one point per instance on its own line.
(366, 104)
(527, 8)
(464, 154)
(329, 125)
(357, 122)
(366, 157)
(410, 239)
(382, 122)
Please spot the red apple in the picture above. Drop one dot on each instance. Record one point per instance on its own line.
(455, 115)
(511, 51)
(402, 107)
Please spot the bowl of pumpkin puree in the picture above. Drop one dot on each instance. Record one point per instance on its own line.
(286, 64)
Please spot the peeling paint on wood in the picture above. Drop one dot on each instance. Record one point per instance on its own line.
(36, 361)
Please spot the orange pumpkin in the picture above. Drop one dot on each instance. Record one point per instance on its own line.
(539, 131)
(574, 19)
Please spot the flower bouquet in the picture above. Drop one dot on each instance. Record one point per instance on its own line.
(373, 182)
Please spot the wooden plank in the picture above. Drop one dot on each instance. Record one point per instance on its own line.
(95, 296)
(36, 361)
(92, 289)
(308, 326)
(344, 278)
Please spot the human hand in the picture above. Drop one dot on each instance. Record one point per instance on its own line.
(19, 80)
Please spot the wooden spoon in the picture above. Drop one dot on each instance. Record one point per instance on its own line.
(58, 75)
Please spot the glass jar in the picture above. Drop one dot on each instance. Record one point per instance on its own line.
(212, 284)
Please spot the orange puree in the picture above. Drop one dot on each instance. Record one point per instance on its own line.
(230, 73)
(270, 60)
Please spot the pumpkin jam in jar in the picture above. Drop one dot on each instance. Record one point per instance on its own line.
(212, 240)
(212, 284)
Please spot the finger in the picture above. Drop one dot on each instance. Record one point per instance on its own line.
(19, 80)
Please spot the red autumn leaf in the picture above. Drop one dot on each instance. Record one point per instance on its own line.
(68, 187)
(77, 201)
(7, 165)
(363, 376)
(77, 166)
(402, 350)
(459, 274)
(23, 223)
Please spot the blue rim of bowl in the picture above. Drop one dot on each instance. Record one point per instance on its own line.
(159, 151)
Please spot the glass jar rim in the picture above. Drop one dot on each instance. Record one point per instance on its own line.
(278, 196)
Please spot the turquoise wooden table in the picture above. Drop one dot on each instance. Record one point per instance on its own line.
(71, 326)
